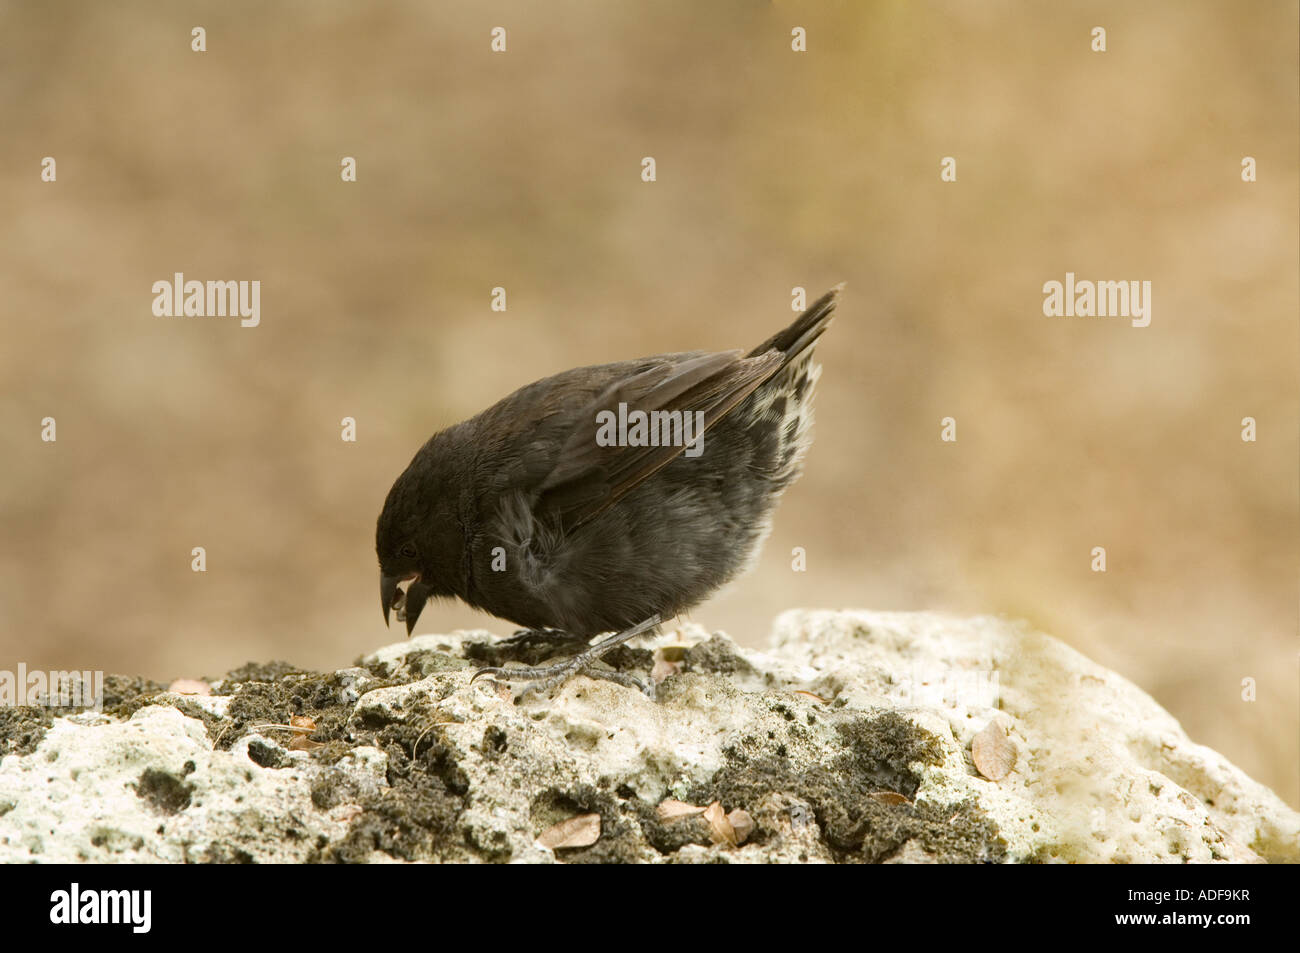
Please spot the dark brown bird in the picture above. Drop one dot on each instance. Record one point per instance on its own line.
(541, 511)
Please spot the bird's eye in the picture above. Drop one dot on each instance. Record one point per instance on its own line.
(408, 550)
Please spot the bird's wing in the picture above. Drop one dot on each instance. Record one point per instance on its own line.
(589, 478)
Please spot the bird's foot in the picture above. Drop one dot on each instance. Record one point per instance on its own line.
(543, 678)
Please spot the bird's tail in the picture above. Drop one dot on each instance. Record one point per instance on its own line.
(807, 328)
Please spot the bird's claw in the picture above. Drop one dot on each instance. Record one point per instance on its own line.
(542, 678)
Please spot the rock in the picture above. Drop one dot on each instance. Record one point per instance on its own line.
(849, 739)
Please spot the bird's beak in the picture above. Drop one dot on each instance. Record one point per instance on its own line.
(416, 596)
(407, 604)
(388, 593)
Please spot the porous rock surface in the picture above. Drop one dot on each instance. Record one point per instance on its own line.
(849, 739)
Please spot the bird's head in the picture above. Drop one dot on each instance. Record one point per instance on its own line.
(419, 545)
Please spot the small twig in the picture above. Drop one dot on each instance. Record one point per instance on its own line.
(416, 747)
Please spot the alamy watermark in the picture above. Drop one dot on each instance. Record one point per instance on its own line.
(51, 689)
(928, 686)
(654, 428)
(1101, 299)
(133, 908)
(179, 298)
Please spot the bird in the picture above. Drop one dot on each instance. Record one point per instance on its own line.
(560, 509)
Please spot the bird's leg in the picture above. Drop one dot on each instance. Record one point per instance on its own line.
(543, 678)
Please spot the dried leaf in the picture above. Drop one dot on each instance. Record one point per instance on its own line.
(670, 810)
(189, 686)
(742, 824)
(889, 797)
(720, 829)
(992, 751)
(671, 653)
(302, 726)
(580, 831)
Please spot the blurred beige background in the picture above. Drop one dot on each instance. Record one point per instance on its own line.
(775, 169)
